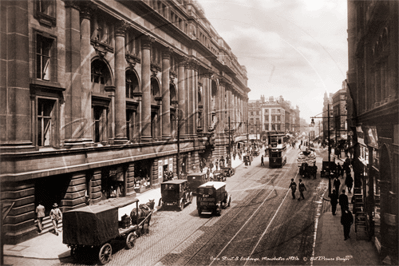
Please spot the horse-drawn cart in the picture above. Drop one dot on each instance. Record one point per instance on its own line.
(91, 228)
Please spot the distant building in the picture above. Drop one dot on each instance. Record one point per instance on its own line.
(340, 128)
(272, 115)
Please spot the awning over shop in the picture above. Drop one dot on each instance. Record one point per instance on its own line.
(240, 139)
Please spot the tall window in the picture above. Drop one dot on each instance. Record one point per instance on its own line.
(100, 75)
(45, 121)
(129, 124)
(100, 123)
(45, 7)
(131, 83)
(43, 57)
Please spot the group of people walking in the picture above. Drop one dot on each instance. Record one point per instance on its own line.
(55, 216)
(301, 188)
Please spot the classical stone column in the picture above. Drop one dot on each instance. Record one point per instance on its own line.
(195, 100)
(182, 97)
(205, 101)
(85, 69)
(166, 93)
(189, 104)
(146, 87)
(73, 109)
(120, 83)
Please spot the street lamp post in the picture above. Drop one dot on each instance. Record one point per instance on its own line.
(329, 146)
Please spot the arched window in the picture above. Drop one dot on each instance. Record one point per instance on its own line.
(132, 83)
(154, 87)
(100, 75)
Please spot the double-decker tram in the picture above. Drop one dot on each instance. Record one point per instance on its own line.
(277, 150)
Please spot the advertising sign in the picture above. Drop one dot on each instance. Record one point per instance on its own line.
(371, 136)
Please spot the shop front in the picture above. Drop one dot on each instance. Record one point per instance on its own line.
(165, 169)
(113, 183)
(142, 175)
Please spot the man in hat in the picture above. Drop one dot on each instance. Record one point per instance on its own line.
(55, 216)
(302, 188)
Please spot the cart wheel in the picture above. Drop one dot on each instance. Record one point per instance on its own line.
(181, 205)
(105, 253)
(131, 239)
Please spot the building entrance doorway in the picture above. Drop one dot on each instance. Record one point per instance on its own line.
(50, 190)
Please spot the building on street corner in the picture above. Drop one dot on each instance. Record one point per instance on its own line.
(373, 83)
(95, 93)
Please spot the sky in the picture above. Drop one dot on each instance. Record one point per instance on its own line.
(294, 48)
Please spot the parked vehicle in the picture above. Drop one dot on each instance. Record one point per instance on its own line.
(219, 175)
(247, 160)
(91, 228)
(175, 193)
(328, 169)
(228, 171)
(212, 197)
(195, 180)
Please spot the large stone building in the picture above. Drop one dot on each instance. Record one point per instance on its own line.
(273, 115)
(92, 93)
(373, 82)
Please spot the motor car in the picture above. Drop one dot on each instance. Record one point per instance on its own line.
(212, 197)
(175, 193)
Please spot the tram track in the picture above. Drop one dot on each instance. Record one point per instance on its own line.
(248, 176)
(232, 219)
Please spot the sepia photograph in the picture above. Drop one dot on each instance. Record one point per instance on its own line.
(199, 132)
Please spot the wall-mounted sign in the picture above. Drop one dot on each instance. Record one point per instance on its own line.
(371, 136)
(360, 135)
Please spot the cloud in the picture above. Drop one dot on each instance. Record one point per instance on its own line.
(294, 48)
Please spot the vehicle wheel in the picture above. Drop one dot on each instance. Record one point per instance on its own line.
(130, 240)
(199, 212)
(105, 253)
(160, 203)
(228, 204)
(181, 205)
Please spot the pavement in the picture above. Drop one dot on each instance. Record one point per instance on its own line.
(330, 247)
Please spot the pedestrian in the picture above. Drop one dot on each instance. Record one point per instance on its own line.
(302, 188)
(337, 183)
(217, 164)
(343, 201)
(211, 176)
(261, 160)
(334, 201)
(347, 221)
(293, 188)
(55, 216)
(40, 212)
(339, 170)
(349, 182)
